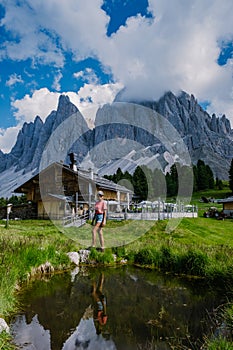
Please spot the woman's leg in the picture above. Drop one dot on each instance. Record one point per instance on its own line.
(101, 237)
(96, 227)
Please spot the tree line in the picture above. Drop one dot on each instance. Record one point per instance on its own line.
(15, 200)
(150, 184)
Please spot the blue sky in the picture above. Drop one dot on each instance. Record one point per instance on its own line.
(91, 49)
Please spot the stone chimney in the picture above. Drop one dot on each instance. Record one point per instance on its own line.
(91, 171)
(73, 161)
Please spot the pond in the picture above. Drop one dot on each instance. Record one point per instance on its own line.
(114, 308)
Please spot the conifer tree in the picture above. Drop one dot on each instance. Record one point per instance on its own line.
(140, 183)
(210, 176)
(202, 176)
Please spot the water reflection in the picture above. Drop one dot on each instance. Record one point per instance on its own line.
(122, 309)
(89, 334)
(31, 335)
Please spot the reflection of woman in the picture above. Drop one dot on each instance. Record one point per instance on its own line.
(89, 333)
(100, 220)
(99, 305)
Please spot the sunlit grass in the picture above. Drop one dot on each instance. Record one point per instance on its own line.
(23, 246)
(115, 233)
(27, 244)
(198, 246)
(219, 344)
(5, 341)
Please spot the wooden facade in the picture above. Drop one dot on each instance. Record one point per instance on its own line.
(227, 206)
(59, 191)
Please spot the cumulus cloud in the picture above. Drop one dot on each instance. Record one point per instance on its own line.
(41, 103)
(91, 96)
(30, 40)
(88, 75)
(178, 50)
(8, 138)
(88, 99)
(175, 50)
(39, 26)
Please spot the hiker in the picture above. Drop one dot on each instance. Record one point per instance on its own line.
(99, 220)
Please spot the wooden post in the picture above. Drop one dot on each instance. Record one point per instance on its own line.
(76, 203)
(8, 210)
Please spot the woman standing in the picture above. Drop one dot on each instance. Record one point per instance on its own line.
(100, 220)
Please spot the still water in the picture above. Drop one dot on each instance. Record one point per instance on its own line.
(114, 309)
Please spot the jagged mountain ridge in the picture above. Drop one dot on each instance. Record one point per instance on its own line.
(33, 137)
(207, 137)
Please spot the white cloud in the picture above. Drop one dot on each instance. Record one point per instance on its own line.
(100, 94)
(14, 79)
(88, 75)
(41, 103)
(176, 50)
(179, 52)
(31, 40)
(88, 99)
(38, 25)
(8, 138)
(56, 83)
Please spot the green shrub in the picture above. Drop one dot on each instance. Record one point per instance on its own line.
(106, 257)
(168, 259)
(219, 344)
(220, 275)
(103, 258)
(130, 256)
(228, 318)
(119, 251)
(93, 254)
(194, 262)
(5, 341)
(145, 256)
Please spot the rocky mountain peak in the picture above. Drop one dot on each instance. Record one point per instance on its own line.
(209, 138)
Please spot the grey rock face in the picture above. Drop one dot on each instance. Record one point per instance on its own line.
(2, 161)
(207, 138)
(33, 137)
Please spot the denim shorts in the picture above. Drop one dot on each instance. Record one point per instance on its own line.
(99, 218)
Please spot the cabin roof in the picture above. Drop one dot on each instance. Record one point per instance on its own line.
(85, 175)
(226, 200)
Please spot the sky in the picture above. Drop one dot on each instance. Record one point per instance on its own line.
(90, 50)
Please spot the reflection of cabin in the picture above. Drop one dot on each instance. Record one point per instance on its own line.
(227, 205)
(60, 190)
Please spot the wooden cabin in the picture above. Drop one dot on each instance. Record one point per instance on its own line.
(61, 190)
(227, 206)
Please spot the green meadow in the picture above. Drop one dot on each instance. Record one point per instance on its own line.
(23, 246)
(28, 244)
(196, 247)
